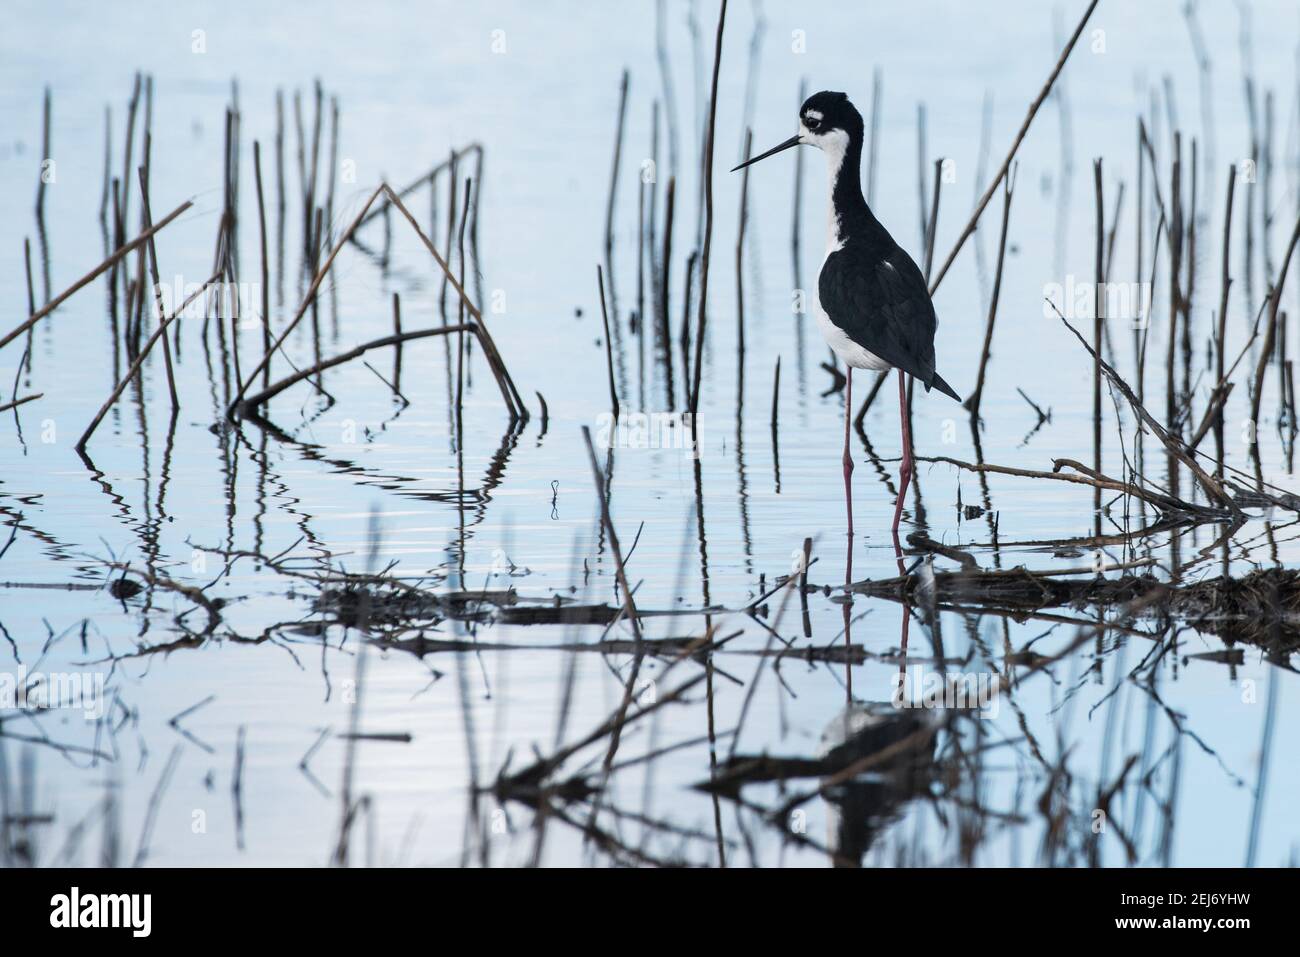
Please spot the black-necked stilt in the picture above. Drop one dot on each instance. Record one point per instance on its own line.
(872, 303)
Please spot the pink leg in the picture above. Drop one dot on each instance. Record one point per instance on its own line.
(848, 561)
(905, 472)
(848, 464)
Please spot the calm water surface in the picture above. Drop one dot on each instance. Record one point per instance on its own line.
(197, 732)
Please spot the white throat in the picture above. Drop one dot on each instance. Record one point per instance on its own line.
(835, 145)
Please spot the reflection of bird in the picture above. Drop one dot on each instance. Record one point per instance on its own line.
(873, 306)
(860, 808)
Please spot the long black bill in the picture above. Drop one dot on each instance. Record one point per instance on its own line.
(792, 141)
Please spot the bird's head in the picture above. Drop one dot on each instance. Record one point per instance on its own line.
(827, 121)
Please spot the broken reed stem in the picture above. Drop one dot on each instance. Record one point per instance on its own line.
(429, 178)
(629, 606)
(708, 213)
(776, 391)
(1081, 476)
(228, 160)
(397, 352)
(1112, 234)
(452, 183)
(514, 403)
(1270, 334)
(315, 155)
(609, 349)
(1150, 150)
(157, 285)
(313, 260)
(685, 336)
(638, 317)
(303, 306)
(301, 154)
(279, 154)
(795, 244)
(740, 249)
(333, 162)
(261, 398)
(460, 315)
(26, 359)
(45, 155)
(973, 401)
(1015, 145)
(130, 138)
(135, 301)
(1221, 325)
(478, 195)
(665, 290)
(933, 222)
(1219, 394)
(116, 256)
(27, 262)
(139, 361)
(236, 124)
(1213, 413)
(108, 166)
(1139, 222)
(1146, 318)
(1177, 237)
(1190, 292)
(1172, 444)
(266, 281)
(613, 172)
(5, 407)
(620, 719)
(1098, 312)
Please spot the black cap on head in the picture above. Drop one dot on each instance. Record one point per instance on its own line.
(821, 113)
(828, 110)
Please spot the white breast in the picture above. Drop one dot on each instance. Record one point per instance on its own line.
(853, 354)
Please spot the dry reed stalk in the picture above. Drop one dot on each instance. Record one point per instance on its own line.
(613, 172)
(139, 361)
(665, 291)
(609, 349)
(1270, 334)
(1015, 145)
(1098, 315)
(1220, 329)
(1174, 445)
(740, 249)
(932, 224)
(308, 299)
(708, 213)
(973, 401)
(45, 154)
(266, 280)
(153, 275)
(111, 260)
(515, 404)
(261, 398)
(5, 407)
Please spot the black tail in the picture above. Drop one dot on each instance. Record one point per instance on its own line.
(938, 383)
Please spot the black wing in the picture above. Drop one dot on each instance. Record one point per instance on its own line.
(881, 302)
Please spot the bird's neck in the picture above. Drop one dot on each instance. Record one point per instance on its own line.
(850, 217)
